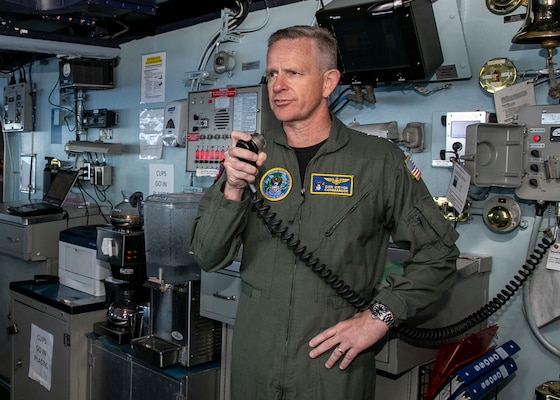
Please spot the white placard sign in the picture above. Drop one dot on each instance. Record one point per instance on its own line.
(40, 356)
(161, 178)
(459, 188)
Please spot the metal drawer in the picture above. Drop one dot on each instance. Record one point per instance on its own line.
(219, 295)
(38, 242)
(12, 239)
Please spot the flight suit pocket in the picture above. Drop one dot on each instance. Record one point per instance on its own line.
(428, 227)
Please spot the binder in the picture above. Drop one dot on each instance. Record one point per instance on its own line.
(479, 366)
(485, 384)
(452, 356)
(475, 368)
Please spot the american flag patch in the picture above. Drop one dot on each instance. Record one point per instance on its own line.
(412, 168)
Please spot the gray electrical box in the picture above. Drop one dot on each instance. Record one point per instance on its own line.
(213, 114)
(18, 107)
(493, 154)
(524, 155)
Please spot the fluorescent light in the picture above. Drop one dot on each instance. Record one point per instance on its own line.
(61, 49)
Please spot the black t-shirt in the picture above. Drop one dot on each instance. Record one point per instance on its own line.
(304, 155)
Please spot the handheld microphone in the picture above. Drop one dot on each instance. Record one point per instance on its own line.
(256, 144)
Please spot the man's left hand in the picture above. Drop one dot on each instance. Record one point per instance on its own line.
(348, 338)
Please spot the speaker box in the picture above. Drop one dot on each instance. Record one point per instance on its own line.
(87, 74)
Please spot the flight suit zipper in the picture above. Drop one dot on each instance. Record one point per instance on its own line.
(335, 225)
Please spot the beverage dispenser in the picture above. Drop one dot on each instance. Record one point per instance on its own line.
(167, 223)
(179, 334)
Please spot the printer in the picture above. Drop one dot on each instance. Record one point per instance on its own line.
(78, 266)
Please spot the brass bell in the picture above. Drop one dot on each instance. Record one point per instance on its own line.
(542, 24)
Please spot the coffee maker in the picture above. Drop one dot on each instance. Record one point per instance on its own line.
(122, 246)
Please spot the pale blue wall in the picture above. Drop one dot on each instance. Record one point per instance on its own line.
(486, 37)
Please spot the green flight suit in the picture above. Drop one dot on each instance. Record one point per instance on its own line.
(359, 191)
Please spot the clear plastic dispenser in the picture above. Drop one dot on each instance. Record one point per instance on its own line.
(167, 223)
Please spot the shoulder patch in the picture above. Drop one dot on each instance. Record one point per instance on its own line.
(412, 168)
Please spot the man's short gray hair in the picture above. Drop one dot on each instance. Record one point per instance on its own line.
(324, 41)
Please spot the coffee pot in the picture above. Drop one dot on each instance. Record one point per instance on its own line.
(128, 213)
(122, 309)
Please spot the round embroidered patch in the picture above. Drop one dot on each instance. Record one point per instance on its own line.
(275, 184)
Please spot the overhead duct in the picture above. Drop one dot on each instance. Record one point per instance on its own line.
(61, 49)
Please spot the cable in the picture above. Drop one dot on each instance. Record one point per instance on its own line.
(348, 294)
(526, 290)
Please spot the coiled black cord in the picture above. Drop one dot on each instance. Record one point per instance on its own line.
(483, 313)
(348, 294)
(276, 229)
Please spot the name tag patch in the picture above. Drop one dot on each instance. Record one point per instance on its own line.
(339, 185)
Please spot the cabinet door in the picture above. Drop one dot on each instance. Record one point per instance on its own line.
(148, 383)
(57, 373)
(109, 373)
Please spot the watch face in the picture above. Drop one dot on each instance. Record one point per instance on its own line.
(380, 311)
(378, 308)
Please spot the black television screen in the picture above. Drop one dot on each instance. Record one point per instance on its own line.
(399, 45)
(356, 35)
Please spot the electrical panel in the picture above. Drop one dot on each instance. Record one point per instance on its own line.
(18, 108)
(213, 114)
(455, 134)
(100, 118)
(541, 158)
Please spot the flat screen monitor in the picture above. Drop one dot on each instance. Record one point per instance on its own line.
(400, 44)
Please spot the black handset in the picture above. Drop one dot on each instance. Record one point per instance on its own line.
(256, 144)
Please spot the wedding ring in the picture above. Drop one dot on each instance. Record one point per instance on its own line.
(339, 350)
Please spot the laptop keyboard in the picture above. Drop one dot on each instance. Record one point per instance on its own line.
(34, 209)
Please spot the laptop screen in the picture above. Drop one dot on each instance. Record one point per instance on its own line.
(60, 187)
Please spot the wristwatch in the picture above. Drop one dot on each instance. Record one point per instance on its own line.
(380, 311)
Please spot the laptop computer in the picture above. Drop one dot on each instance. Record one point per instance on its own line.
(53, 199)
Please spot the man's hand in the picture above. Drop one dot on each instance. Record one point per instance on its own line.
(239, 172)
(348, 338)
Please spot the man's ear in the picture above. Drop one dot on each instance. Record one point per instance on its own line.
(330, 81)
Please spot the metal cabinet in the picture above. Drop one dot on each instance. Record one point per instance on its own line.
(36, 238)
(29, 247)
(54, 369)
(114, 373)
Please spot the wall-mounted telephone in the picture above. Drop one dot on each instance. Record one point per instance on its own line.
(455, 134)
